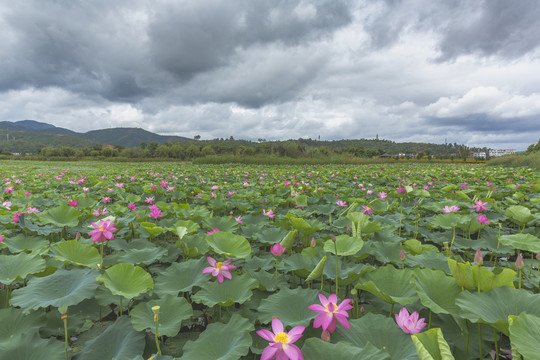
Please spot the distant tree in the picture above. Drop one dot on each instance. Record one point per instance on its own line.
(144, 145)
(197, 137)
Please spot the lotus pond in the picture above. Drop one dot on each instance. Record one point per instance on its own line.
(176, 261)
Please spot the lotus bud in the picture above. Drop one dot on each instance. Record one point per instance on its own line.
(348, 227)
(333, 237)
(402, 255)
(519, 262)
(325, 336)
(155, 310)
(313, 242)
(77, 235)
(478, 258)
(538, 256)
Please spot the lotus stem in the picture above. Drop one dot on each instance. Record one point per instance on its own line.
(121, 313)
(335, 248)
(480, 340)
(66, 346)
(276, 272)
(496, 346)
(519, 277)
(453, 238)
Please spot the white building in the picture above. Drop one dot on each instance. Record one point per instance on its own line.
(501, 152)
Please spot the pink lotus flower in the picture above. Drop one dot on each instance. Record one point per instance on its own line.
(156, 213)
(409, 323)
(277, 250)
(367, 210)
(450, 209)
(382, 195)
(212, 231)
(239, 220)
(269, 213)
(102, 231)
(281, 344)
(329, 312)
(482, 219)
(100, 211)
(16, 217)
(219, 269)
(106, 199)
(149, 200)
(1, 238)
(32, 210)
(479, 206)
(132, 207)
(341, 203)
(73, 203)
(7, 205)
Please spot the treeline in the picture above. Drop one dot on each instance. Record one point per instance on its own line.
(307, 149)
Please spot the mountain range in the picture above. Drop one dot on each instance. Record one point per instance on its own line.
(30, 136)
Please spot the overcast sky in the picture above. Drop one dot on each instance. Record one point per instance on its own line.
(464, 71)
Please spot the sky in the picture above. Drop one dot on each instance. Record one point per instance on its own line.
(456, 71)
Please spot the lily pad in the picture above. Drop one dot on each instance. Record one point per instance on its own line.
(290, 306)
(221, 341)
(119, 341)
(316, 349)
(173, 310)
(126, 280)
(237, 290)
(431, 345)
(390, 285)
(13, 267)
(63, 288)
(77, 253)
(229, 244)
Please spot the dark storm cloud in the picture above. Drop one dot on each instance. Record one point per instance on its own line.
(482, 123)
(85, 47)
(187, 39)
(498, 27)
(507, 29)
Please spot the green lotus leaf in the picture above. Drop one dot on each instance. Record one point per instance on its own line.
(193, 245)
(290, 306)
(191, 226)
(316, 349)
(77, 253)
(519, 215)
(32, 347)
(524, 334)
(437, 291)
(221, 341)
(487, 280)
(229, 244)
(431, 345)
(449, 221)
(346, 245)
(318, 271)
(462, 273)
(19, 243)
(222, 223)
(152, 228)
(15, 323)
(382, 332)
(63, 288)
(525, 242)
(13, 267)
(237, 290)
(145, 256)
(126, 280)
(181, 277)
(288, 241)
(265, 235)
(300, 224)
(494, 307)
(63, 215)
(391, 285)
(172, 310)
(119, 341)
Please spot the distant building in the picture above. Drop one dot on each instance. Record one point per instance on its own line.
(502, 152)
(493, 153)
